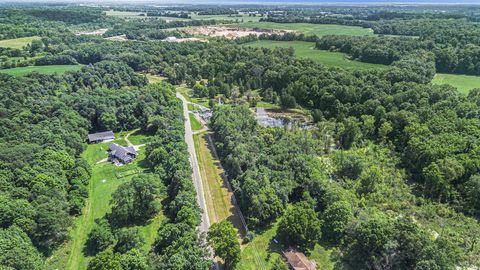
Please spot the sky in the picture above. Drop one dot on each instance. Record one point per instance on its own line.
(310, 2)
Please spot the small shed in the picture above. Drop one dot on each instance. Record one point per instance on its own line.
(101, 136)
(298, 261)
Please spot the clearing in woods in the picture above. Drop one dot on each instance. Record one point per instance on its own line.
(103, 183)
(313, 29)
(17, 43)
(21, 71)
(307, 50)
(463, 83)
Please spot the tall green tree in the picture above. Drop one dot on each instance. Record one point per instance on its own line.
(222, 237)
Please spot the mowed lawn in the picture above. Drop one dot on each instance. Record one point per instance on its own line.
(464, 83)
(305, 49)
(313, 29)
(21, 71)
(17, 43)
(105, 179)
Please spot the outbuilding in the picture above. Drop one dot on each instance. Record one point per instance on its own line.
(101, 137)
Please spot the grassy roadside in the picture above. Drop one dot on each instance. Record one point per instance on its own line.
(196, 125)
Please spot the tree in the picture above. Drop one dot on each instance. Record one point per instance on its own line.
(101, 236)
(105, 260)
(17, 251)
(472, 195)
(335, 220)
(127, 239)
(280, 264)
(137, 201)
(300, 226)
(134, 260)
(222, 237)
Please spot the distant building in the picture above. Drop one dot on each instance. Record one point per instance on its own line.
(120, 154)
(298, 261)
(101, 136)
(170, 39)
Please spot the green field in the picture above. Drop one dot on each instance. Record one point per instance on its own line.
(262, 252)
(21, 71)
(313, 29)
(306, 50)
(464, 83)
(17, 43)
(103, 183)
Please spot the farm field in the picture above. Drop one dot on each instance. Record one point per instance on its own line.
(305, 49)
(313, 29)
(17, 43)
(105, 179)
(464, 83)
(21, 71)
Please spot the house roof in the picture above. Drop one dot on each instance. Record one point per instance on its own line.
(121, 152)
(101, 136)
(298, 260)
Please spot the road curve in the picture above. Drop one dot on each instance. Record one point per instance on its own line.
(197, 179)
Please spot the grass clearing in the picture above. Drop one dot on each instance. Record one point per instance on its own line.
(196, 125)
(464, 83)
(103, 183)
(187, 93)
(17, 43)
(138, 137)
(306, 50)
(263, 250)
(22, 71)
(313, 29)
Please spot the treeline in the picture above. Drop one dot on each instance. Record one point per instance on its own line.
(355, 200)
(386, 50)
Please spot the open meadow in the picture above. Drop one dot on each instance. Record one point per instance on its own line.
(464, 83)
(305, 49)
(313, 29)
(21, 71)
(17, 43)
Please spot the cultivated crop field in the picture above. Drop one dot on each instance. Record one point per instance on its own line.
(241, 18)
(464, 83)
(21, 71)
(305, 49)
(17, 43)
(313, 29)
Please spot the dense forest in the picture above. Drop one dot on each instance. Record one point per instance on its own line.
(388, 176)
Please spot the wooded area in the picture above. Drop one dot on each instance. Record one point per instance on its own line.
(387, 175)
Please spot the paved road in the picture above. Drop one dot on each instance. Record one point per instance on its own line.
(197, 179)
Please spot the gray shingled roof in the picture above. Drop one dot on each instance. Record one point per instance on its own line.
(124, 154)
(101, 136)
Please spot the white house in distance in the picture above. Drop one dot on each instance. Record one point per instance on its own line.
(101, 137)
